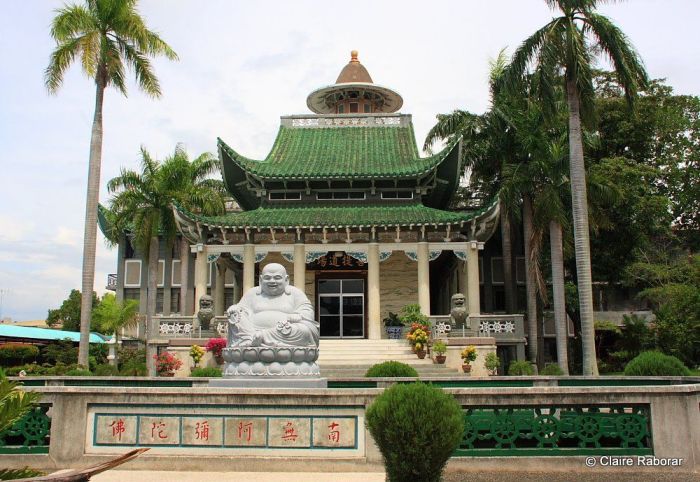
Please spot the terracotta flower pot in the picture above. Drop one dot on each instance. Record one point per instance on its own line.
(466, 368)
(440, 359)
(420, 353)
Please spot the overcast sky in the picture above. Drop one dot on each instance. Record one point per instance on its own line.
(242, 65)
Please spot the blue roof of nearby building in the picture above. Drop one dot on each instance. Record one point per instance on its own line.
(45, 334)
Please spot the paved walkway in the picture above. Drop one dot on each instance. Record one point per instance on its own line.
(588, 476)
(146, 476)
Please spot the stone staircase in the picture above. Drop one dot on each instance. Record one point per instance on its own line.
(351, 358)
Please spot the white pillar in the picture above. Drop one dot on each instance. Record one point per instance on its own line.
(236, 288)
(300, 266)
(373, 302)
(248, 266)
(473, 279)
(423, 278)
(201, 272)
(219, 290)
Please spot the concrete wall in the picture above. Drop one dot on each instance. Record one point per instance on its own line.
(674, 415)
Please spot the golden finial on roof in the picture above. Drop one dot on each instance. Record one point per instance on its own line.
(353, 56)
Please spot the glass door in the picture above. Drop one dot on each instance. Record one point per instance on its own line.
(341, 304)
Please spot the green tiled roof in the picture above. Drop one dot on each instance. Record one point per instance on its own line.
(337, 216)
(339, 153)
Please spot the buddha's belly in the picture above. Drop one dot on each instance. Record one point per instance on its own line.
(267, 319)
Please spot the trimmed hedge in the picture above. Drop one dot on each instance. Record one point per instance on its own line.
(106, 371)
(207, 372)
(552, 369)
(522, 367)
(417, 427)
(654, 363)
(78, 372)
(392, 369)
(17, 353)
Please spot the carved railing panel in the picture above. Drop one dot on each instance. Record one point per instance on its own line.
(556, 430)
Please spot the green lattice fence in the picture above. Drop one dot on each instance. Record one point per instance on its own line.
(556, 430)
(30, 435)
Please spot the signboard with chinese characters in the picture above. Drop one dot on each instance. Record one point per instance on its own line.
(337, 260)
(222, 430)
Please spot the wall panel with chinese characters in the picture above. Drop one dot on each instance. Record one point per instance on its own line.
(219, 429)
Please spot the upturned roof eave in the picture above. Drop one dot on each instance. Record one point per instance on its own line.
(461, 218)
(247, 168)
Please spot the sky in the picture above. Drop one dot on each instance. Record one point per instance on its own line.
(242, 65)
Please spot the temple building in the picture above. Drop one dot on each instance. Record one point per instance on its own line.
(344, 200)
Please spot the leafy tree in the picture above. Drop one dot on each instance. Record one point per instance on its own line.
(106, 35)
(662, 133)
(142, 205)
(673, 287)
(567, 45)
(69, 313)
(111, 316)
(639, 216)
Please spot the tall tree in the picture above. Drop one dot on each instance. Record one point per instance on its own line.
(106, 35)
(111, 316)
(566, 45)
(142, 206)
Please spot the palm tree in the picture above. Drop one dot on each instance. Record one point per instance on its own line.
(488, 147)
(566, 45)
(105, 35)
(142, 204)
(111, 316)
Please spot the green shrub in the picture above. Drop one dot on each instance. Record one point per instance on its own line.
(29, 369)
(134, 369)
(17, 353)
(391, 369)
(78, 372)
(417, 427)
(132, 362)
(61, 369)
(522, 367)
(106, 371)
(654, 363)
(492, 363)
(207, 372)
(60, 351)
(552, 369)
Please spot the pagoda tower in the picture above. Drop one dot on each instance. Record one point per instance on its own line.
(345, 201)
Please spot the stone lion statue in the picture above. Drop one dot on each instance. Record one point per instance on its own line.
(206, 311)
(459, 314)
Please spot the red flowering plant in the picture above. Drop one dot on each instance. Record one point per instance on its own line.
(167, 363)
(216, 346)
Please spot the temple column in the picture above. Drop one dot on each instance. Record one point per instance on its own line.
(236, 287)
(472, 279)
(219, 289)
(248, 266)
(300, 266)
(374, 331)
(423, 278)
(201, 270)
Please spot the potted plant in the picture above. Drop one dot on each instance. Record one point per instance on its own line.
(166, 364)
(196, 353)
(216, 347)
(418, 337)
(492, 363)
(440, 348)
(393, 326)
(468, 355)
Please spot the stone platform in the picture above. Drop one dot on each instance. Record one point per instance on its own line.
(268, 382)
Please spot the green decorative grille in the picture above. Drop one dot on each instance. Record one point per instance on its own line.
(556, 430)
(28, 435)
